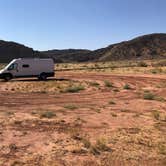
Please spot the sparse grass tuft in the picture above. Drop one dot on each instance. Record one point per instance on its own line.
(142, 64)
(86, 143)
(127, 87)
(158, 98)
(101, 144)
(79, 150)
(111, 102)
(71, 106)
(116, 90)
(162, 148)
(94, 150)
(74, 89)
(98, 110)
(156, 114)
(113, 114)
(75, 133)
(156, 70)
(95, 84)
(125, 110)
(149, 96)
(108, 84)
(47, 114)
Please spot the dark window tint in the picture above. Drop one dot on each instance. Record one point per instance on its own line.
(25, 65)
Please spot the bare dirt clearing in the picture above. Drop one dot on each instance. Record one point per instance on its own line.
(83, 118)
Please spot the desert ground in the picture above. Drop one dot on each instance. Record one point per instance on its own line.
(89, 117)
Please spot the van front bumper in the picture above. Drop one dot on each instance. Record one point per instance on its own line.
(2, 75)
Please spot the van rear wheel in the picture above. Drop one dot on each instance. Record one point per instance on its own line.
(7, 77)
(43, 76)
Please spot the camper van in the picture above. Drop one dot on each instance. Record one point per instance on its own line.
(28, 67)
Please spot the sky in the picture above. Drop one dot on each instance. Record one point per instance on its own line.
(85, 24)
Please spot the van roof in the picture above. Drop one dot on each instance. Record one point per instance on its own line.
(33, 59)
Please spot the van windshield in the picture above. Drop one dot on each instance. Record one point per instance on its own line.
(12, 66)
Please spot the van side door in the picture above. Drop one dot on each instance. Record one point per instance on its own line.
(25, 69)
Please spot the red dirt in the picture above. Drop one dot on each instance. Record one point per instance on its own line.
(128, 125)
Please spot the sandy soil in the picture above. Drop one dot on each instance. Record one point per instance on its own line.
(40, 124)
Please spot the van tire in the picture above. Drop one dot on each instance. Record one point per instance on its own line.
(43, 76)
(8, 77)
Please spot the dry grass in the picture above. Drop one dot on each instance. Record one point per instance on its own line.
(146, 66)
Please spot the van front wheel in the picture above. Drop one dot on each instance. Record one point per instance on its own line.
(42, 76)
(7, 77)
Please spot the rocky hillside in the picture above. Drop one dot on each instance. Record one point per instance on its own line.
(11, 50)
(145, 47)
(151, 46)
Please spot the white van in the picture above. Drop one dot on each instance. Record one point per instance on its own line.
(28, 67)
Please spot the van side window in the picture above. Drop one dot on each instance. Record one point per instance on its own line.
(25, 66)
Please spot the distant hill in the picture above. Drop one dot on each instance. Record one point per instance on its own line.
(68, 55)
(152, 46)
